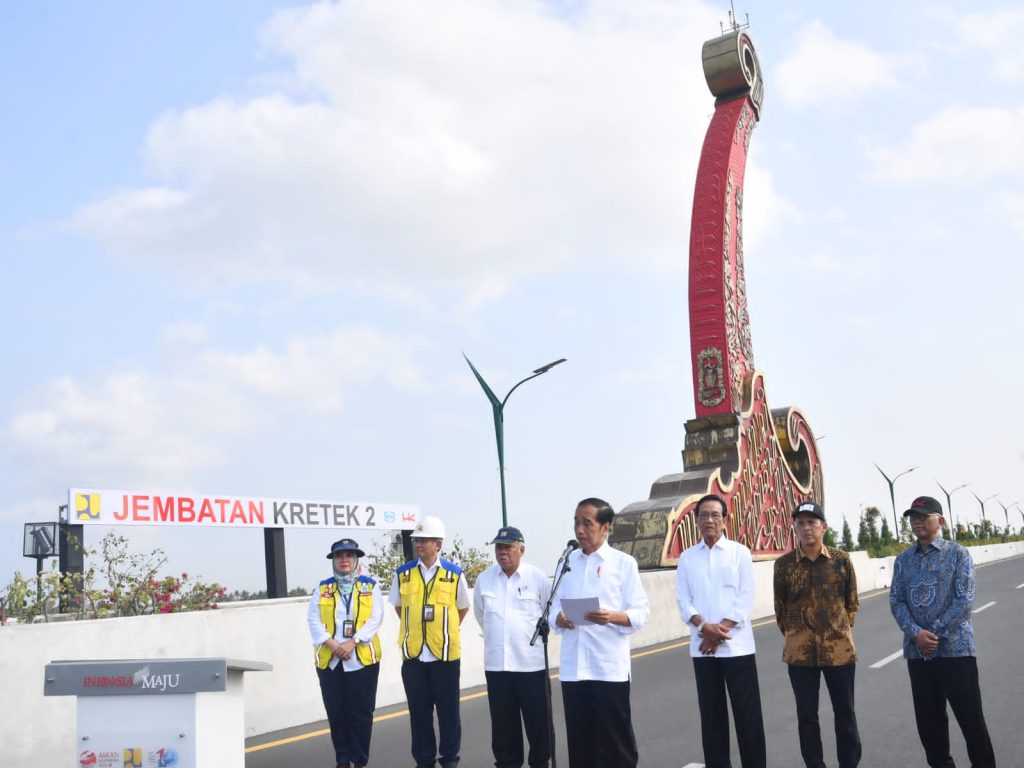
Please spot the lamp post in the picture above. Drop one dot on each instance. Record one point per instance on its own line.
(949, 506)
(892, 496)
(498, 407)
(1021, 510)
(981, 502)
(1006, 513)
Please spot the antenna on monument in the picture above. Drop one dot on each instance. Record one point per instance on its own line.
(734, 25)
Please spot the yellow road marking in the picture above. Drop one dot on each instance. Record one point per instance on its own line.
(479, 694)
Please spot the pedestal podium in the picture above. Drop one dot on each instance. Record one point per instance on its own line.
(156, 713)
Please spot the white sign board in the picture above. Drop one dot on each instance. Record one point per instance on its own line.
(91, 506)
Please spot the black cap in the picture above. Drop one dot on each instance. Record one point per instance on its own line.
(508, 535)
(345, 545)
(924, 505)
(809, 508)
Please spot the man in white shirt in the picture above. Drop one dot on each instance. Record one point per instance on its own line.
(595, 666)
(507, 601)
(715, 591)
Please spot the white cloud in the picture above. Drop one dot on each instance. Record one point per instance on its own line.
(827, 71)
(458, 145)
(317, 371)
(996, 33)
(961, 144)
(1014, 207)
(164, 425)
(764, 209)
(129, 421)
(184, 333)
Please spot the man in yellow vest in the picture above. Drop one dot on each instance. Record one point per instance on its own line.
(431, 599)
(344, 616)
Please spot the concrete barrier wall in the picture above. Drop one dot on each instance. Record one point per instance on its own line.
(37, 730)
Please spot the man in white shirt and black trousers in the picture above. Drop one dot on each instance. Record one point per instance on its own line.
(715, 591)
(507, 601)
(595, 665)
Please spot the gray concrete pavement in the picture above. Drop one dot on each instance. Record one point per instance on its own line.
(665, 707)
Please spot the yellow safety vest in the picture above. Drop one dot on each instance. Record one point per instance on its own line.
(442, 633)
(362, 591)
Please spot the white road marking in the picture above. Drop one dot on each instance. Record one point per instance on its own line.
(1019, 586)
(887, 659)
(694, 765)
(986, 605)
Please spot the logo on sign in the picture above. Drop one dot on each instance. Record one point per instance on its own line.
(87, 506)
(146, 680)
(389, 516)
(87, 758)
(133, 757)
(166, 758)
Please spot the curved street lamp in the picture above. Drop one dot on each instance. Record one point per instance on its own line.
(949, 506)
(1006, 513)
(498, 407)
(892, 495)
(981, 502)
(1021, 510)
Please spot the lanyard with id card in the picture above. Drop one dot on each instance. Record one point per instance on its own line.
(428, 609)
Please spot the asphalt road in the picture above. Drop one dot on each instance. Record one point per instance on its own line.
(665, 704)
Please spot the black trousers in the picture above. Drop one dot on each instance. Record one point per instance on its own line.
(433, 686)
(599, 725)
(738, 676)
(349, 698)
(518, 700)
(806, 682)
(933, 683)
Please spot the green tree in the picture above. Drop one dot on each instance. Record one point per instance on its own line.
(829, 539)
(885, 539)
(907, 535)
(847, 542)
(383, 563)
(872, 515)
(863, 534)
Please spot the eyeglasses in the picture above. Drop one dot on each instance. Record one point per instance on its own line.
(709, 516)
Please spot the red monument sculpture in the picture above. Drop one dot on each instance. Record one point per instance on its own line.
(762, 460)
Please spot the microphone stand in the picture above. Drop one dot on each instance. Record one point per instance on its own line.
(542, 630)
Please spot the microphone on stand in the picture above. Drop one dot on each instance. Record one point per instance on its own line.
(569, 547)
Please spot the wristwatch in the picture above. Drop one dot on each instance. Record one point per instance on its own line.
(700, 627)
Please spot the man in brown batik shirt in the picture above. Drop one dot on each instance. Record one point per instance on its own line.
(815, 607)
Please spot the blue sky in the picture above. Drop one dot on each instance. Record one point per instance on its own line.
(243, 245)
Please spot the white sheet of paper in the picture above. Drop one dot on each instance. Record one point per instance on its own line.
(575, 608)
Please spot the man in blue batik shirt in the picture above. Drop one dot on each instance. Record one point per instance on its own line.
(931, 599)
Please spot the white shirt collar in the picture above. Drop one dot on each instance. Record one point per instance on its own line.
(724, 537)
(601, 552)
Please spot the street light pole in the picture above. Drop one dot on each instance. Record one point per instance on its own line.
(981, 502)
(1021, 510)
(498, 407)
(949, 506)
(892, 496)
(1006, 513)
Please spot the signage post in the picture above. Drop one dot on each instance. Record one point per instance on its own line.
(156, 713)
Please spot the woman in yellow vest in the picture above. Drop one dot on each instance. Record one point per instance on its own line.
(344, 616)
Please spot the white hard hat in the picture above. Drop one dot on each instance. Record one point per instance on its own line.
(429, 527)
